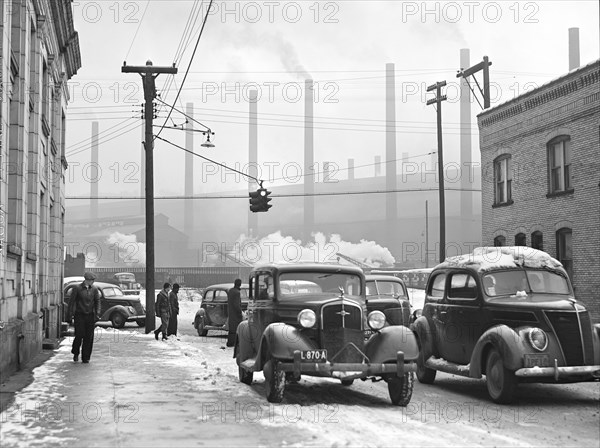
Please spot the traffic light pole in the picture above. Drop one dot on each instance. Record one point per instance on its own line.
(438, 100)
(149, 73)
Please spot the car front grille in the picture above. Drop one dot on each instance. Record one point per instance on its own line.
(567, 330)
(342, 324)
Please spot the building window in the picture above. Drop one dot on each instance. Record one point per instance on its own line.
(499, 241)
(503, 180)
(537, 240)
(564, 249)
(559, 164)
(520, 239)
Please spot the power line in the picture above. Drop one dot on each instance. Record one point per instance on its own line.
(137, 29)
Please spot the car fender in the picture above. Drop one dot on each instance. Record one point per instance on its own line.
(117, 308)
(425, 337)
(506, 340)
(384, 345)
(596, 343)
(244, 342)
(280, 341)
(200, 314)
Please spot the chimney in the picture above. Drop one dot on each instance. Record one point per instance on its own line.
(573, 48)
(253, 156)
(309, 172)
(391, 207)
(94, 178)
(466, 158)
(350, 169)
(377, 166)
(188, 204)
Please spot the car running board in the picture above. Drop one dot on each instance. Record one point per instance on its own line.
(248, 364)
(448, 367)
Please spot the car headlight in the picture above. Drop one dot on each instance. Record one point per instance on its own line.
(131, 309)
(376, 320)
(538, 339)
(307, 318)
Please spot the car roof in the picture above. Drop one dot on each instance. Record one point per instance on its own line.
(101, 284)
(484, 259)
(308, 267)
(225, 286)
(372, 277)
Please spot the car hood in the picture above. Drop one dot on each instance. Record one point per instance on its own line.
(536, 301)
(316, 300)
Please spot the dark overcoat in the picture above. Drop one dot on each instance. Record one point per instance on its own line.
(234, 305)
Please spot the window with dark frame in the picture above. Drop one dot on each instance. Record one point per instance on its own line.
(520, 239)
(499, 241)
(559, 164)
(503, 180)
(537, 240)
(564, 249)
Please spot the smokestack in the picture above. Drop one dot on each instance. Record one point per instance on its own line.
(350, 169)
(94, 178)
(309, 178)
(377, 166)
(188, 204)
(573, 48)
(466, 157)
(391, 207)
(253, 156)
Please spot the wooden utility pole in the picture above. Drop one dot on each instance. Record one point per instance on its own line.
(438, 100)
(149, 73)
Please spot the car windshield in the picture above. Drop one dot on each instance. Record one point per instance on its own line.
(112, 292)
(384, 288)
(523, 282)
(298, 283)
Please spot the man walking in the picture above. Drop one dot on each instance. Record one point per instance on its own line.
(174, 303)
(84, 307)
(234, 305)
(163, 310)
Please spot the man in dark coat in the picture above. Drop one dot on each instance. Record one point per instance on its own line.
(174, 303)
(84, 307)
(163, 310)
(234, 305)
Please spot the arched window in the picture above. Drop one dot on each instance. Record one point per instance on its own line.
(537, 240)
(564, 249)
(520, 239)
(559, 164)
(503, 180)
(499, 241)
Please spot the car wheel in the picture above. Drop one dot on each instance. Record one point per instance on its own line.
(501, 382)
(140, 322)
(425, 375)
(274, 381)
(118, 320)
(347, 382)
(401, 389)
(201, 330)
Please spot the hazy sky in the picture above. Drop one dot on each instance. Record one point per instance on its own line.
(273, 46)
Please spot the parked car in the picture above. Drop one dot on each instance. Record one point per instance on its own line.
(127, 283)
(388, 294)
(311, 319)
(507, 313)
(115, 306)
(213, 313)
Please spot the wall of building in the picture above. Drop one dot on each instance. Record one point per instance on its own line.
(522, 128)
(40, 52)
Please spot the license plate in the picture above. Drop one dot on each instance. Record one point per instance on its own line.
(536, 360)
(313, 355)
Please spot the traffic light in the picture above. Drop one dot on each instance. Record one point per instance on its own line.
(259, 200)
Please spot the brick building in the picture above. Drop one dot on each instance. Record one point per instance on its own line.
(540, 157)
(39, 53)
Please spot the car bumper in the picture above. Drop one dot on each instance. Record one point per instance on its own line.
(560, 373)
(355, 370)
(134, 318)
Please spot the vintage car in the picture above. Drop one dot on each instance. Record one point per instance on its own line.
(115, 306)
(311, 319)
(213, 314)
(508, 313)
(388, 294)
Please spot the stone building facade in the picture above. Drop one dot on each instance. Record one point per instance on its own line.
(540, 155)
(39, 50)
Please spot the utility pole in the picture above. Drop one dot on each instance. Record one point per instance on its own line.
(485, 66)
(149, 73)
(438, 100)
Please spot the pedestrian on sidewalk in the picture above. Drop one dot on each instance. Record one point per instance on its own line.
(174, 302)
(234, 306)
(84, 308)
(163, 310)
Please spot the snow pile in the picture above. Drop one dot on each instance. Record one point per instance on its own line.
(487, 258)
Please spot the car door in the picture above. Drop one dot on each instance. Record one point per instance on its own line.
(208, 305)
(260, 309)
(219, 308)
(436, 312)
(463, 319)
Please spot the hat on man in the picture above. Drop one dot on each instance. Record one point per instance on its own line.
(89, 276)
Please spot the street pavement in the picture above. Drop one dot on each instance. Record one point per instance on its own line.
(135, 391)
